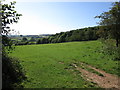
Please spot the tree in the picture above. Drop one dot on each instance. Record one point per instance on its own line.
(39, 41)
(111, 20)
(9, 16)
(32, 39)
(44, 40)
(82, 35)
(21, 35)
(24, 39)
(62, 37)
(11, 69)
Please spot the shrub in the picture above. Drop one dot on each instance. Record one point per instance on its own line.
(22, 43)
(110, 48)
(12, 73)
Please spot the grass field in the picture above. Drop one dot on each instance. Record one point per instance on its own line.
(49, 65)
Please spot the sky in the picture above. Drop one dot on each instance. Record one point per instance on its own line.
(55, 17)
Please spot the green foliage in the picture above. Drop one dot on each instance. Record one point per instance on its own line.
(9, 16)
(102, 32)
(12, 72)
(22, 43)
(84, 34)
(6, 44)
(110, 30)
(24, 39)
(111, 21)
(110, 48)
(42, 41)
(32, 39)
(49, 65)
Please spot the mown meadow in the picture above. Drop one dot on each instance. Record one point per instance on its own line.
(49, 65)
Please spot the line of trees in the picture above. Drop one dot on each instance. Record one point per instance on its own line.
(84, 34)
(25, 41)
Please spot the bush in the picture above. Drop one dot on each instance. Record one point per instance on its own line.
(12, 73)
(24, 39)
(110, 48)
(22, 43)
(31, 43)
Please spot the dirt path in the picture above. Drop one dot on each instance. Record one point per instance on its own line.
(105, 81)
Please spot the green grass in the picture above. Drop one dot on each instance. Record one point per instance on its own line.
(44, 70)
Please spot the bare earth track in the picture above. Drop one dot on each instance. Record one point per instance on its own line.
(105, 81)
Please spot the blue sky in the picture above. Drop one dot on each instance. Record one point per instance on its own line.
(54, 17)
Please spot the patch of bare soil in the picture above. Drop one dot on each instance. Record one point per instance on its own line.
(108, 81)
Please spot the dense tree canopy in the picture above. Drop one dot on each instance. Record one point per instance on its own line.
(84, 34)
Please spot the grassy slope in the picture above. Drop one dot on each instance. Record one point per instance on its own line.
(42, 63)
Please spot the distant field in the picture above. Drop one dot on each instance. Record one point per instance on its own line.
(49, 65)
